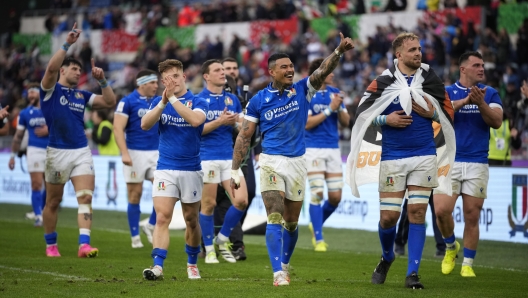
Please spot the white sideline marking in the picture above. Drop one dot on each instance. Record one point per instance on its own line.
(63, 276)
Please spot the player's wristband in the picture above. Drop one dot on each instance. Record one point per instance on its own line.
(173, 99)
(338, 53)
(380, 120)
(327, 112)
(12, 155)
(103, 83)
(235, 177)
(236, 125)
(161, 105)
(66, 46)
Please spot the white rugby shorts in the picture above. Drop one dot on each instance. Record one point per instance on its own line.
(36, 159)
(396, 175)
(469, 178)
(62, 164)
(286, 174)
(324, 160)
(216, 171)
(143, 165)
(183, 185)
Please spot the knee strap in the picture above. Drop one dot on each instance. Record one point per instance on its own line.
(419, 196)
(290, 226)
(83, 192)
(334, 183)
(316, 182)
(275, 218)
(391, 204)
(85, 208)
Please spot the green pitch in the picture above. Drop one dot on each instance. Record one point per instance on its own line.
(343, 271)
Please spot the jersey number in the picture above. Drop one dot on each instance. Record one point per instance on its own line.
(371, 158)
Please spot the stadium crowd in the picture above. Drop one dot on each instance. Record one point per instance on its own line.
(506, 62)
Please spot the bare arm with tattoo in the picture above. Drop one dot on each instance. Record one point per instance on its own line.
(242, 143)
(15, 147)
(330, 63)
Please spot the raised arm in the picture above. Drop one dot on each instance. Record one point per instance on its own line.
(54, 65)
(107, 99)
(330, 63)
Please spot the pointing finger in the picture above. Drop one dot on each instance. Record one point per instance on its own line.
(93, 63)
(341, 35)
(74, 26)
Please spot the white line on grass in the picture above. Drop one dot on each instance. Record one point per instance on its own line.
(58, 275)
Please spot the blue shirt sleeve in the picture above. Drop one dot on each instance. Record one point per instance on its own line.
(252, 110)
(87, 95)
(201, 104)
(123, 107)
(494, 97)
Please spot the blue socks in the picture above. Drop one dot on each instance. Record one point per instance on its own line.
(316, 216)
(51, 239)
(416, 244)
(43, 202)
(159, 255)
(36, 202)
(231, 219)
(134, 213)
(387, 237)
(152, 218)
(192, 254)
(207, 224)
(469, 253)
(289, 239)
(328, 209)
(274, 245)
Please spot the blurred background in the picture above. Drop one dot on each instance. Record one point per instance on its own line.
(126, 36)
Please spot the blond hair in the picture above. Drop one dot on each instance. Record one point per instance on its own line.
(401, 38)
(168, 64)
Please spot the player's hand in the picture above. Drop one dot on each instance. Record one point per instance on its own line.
(73, 35)
(399, 119)
(228, 118)
(97, 72)
(170, 86)
(164, 97)
(41, 131)
(235, 181)
(514, 132)
(11, 163)
(346, 44)
(126, 159)
(4, 113)
(476, 96)
(421, 111)
(336, 101)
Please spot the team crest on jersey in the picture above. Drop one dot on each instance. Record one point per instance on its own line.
(390, 181)
(292, 92)
(133, 174)
(272, 179)
(228, 101)
(78, 95)
(188, 104)
(161, 185)
(211, 174)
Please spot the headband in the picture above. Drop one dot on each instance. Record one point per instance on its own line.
(146, 79)
(34, 89)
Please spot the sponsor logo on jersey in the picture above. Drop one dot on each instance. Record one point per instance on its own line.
(142, 112)
(63, 100)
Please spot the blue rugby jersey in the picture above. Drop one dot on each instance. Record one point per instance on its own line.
(134, 107)
(31, 118)
(471, 132)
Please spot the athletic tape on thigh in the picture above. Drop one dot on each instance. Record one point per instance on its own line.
(85, 208)
(275, 218)
(290, 226)
(83, 192)
(316, 182)
(334, 183)
(392, 204)
(419, 196)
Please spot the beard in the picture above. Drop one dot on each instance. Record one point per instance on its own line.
(412, 64)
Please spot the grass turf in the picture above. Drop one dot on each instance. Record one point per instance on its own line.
(343, 271)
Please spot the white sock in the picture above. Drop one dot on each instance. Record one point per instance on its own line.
(285, 267)
(221, 239)
(149, 226)
(467, 262)
(84, 232)
(191, 265)
(137, 237)
(208, 249)
(48, 245)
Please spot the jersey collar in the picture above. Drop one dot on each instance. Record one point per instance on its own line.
(462, 87)
(206, 92)
(188, 95)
